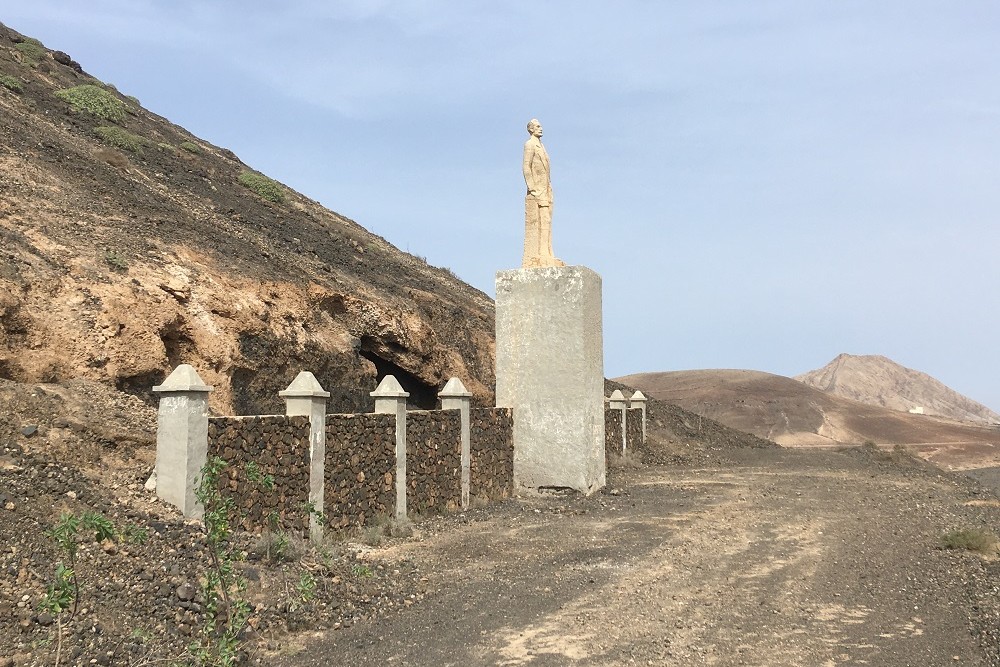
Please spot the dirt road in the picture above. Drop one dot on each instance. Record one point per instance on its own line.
(773, 557)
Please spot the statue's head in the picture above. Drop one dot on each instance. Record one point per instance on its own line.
(534, 128)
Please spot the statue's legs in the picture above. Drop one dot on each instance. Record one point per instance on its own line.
(538, 236)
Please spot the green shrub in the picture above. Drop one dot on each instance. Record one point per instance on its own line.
(31, 51)
(95, 101)
(263, 186)
(119, 138)
(10, 83)
(115, 261)
(190, 147)
(970, 539)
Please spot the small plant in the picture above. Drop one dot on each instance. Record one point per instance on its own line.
(134, 100)
(94, 100)
(100, 524)
(135, 534)
(31, 51)
(362, 571)
(11, 84)
(306, 588)
(59, 595)
(263, 186)
(970, 539)
(190, 147)
(115, 261)
(226, 612)
(166, 147)
(256, 475)
(119, 138)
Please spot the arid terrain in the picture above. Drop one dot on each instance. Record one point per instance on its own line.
(795, 414)
(128, 246)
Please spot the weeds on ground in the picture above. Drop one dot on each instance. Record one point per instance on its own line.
(119, 138)
(94, 100)
(11, 84)
(970, 539)
(190, 147)
(115, 261)
(262, 185)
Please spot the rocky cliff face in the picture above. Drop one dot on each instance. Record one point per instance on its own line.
(876, 380)
(128, 246)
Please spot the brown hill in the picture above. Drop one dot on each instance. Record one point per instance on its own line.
(791, 413)
(876, 380)
(128, 246)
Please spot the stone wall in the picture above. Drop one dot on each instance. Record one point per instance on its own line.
(633, 428)
(359, 469)
(613, 432)
(279, 446)
(433, 460)
(492, 449)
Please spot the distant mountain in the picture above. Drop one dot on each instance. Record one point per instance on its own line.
(791, 413)
(876, 380)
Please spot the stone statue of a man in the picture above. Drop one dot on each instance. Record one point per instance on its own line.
(537, 203)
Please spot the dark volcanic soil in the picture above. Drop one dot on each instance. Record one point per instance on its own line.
(771, 557)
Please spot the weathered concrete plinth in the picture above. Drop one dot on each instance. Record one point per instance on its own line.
(550, 370)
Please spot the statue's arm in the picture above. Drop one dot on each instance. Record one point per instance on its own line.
(529, 177)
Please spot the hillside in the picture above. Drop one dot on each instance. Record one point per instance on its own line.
(129, 246)
(876, 380)
(791, 413)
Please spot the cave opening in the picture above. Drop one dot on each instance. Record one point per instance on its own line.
(422, 395)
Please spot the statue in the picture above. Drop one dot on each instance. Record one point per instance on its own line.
(537, 203)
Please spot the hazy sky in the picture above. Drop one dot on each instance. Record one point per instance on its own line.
(761, 185)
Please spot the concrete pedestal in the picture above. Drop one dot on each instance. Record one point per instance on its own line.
(550, 370)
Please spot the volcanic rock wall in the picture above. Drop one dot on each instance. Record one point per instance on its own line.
(492, 449)
(633, 428)
(278, 446)
(433, 460)
(359, 469)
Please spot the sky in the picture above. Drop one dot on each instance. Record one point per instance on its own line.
(760, 185)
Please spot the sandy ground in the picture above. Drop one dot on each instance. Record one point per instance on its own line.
(771, 557)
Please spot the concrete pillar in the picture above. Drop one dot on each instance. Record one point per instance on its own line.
(617, 402)
(391, 399)
(454, 396)
(550, 371)
(305, 397)
(638, 400)
(181, 438)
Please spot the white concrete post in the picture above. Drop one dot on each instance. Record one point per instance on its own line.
(617, 402)
(638, 400)
(391, 399)
(454, 396)
(305, 397)
(181, 438)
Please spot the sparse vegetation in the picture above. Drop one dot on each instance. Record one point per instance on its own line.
(10, 83)
(95, 101)
(119, 138)
(31, 51)
(226, 612)
(970, 539)
(362, 571)
(190, 147)
(115, 261)
(263, 186)
(134, 100)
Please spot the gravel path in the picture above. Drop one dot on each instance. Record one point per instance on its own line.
(772, 557)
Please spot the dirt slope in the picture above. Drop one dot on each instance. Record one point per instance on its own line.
(118, 262)
(877, 380)
(792, 413)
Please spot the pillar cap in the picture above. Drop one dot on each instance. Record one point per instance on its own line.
(638, 396)
(389, 387)
(183, 378)
(617, 395)
(304, 384)
(454, 389)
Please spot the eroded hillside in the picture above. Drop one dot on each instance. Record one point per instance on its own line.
(128, 246)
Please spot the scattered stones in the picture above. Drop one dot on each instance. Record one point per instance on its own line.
(29, 430)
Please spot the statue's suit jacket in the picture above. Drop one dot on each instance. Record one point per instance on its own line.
(536, 171)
